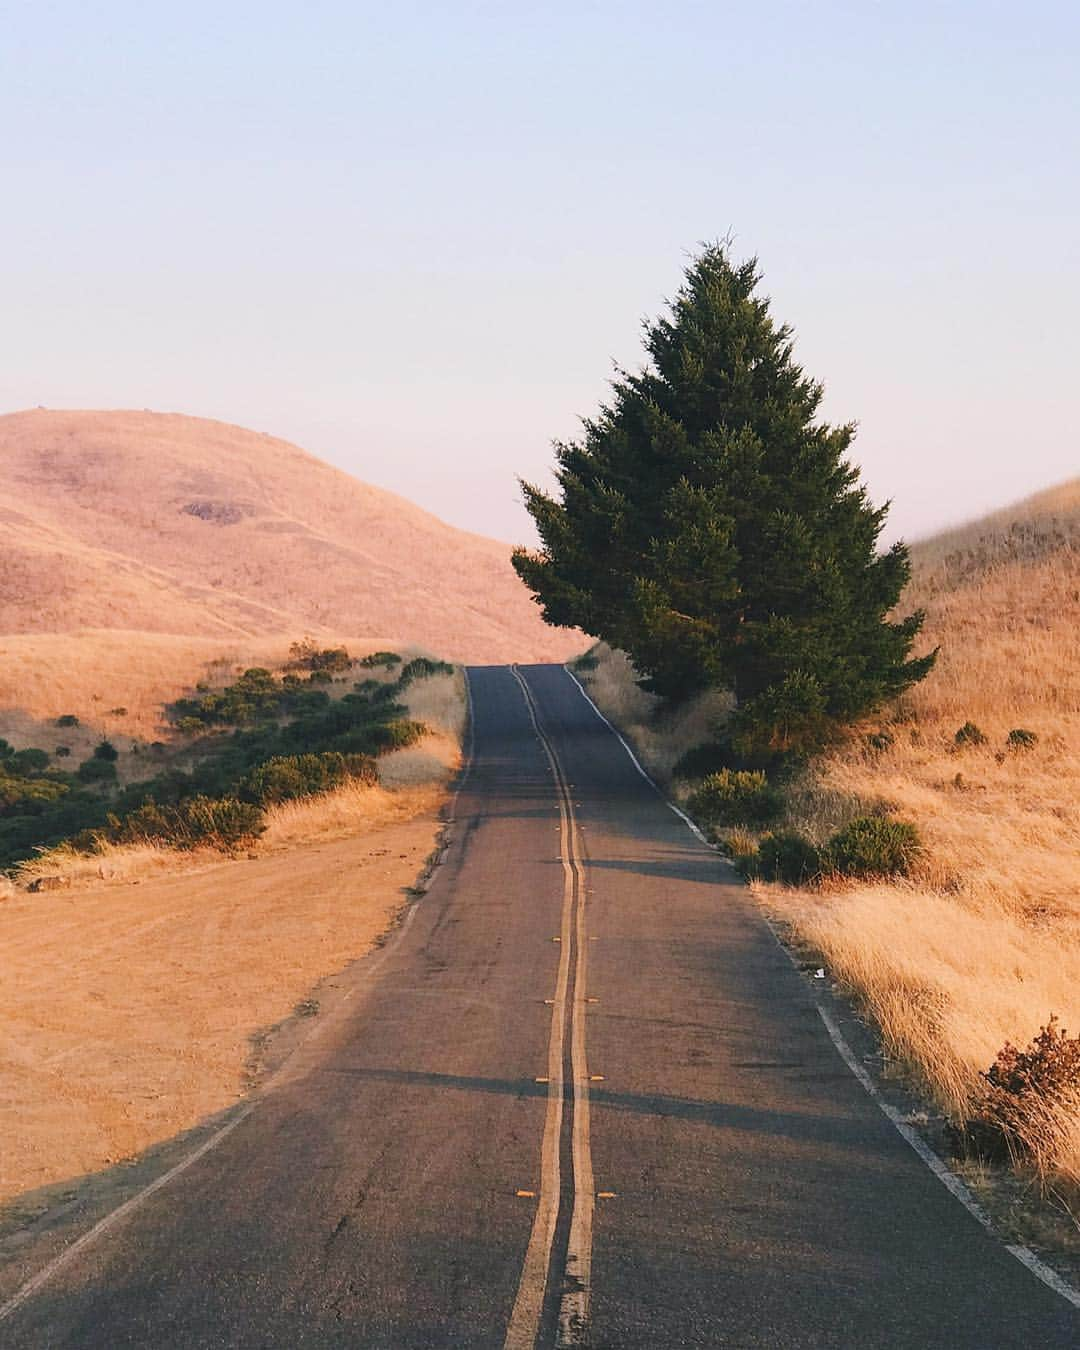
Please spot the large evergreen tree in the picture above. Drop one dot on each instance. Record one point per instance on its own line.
(711, 527)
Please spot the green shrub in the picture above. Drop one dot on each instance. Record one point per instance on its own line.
(67, 720)
(420, 668)
(215, 822)
(702, 760)
(970, 734)
(735, 797)
(396, 735)
(118, 712)
(788, 857)
(29, 761)
(376, 659)
(586, 662)
(96, 770)
(105, 750)
(286, 777)
(880, 740)
(873, 846)
(1019, 739)
(62, 751)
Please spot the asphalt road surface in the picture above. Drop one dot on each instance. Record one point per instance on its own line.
(582, 1098)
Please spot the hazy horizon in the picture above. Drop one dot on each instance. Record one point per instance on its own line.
(416, 243)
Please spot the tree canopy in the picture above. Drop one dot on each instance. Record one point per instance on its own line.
(709, 525)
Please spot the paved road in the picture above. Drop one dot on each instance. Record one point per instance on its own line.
(699, 1167)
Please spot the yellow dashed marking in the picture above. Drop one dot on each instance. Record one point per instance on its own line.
(526, 1195)
(601, 1195)
(596, 1078)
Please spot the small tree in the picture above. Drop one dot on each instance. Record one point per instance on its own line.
(710, 526)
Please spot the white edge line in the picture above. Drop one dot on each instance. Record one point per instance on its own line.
(53, 1267)
(948, 1178)
(103, 1225)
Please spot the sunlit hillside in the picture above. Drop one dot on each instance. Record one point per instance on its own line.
(152, 522)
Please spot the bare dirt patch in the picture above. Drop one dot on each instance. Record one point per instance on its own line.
(128, 1011)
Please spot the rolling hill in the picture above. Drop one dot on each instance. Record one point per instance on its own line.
(166, 524)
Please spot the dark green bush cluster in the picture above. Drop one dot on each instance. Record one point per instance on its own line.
(287, 777)
(587, 661)
(1019, 739)
(735, 797)
(970, 734)
(869, 846)
(872, 846)
(67, 720)
(788, 857)
(374, 660)
(881, 740)
(278, 739)
(223, 823)
(420, 668)
(701, 761)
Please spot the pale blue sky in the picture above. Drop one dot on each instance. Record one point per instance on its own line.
(414, 237)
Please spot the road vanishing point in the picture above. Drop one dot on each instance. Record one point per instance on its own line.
(581, 1098)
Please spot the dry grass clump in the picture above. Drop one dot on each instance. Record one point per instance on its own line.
(660, 736)
(980, 945)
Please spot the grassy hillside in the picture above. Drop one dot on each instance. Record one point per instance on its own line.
(981, 944)
(151, 522)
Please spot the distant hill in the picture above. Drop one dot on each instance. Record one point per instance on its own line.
(162, 523)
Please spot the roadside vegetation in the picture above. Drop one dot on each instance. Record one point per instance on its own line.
(930, 856)
(889, 757)
(238, 752)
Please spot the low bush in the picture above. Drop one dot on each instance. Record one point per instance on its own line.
(29, 761)
(224, 823)
(387, 660)
(287, 777)
(970, 734)
(735, 797)
(1029, 1098)
(788, 857)
(1019, 739)
(872, 846)
(106, 751)
(62, 751)
(702, 760)
(881, 740)
(67, 720)
(586, 662)
(96, 770)
(420, 668)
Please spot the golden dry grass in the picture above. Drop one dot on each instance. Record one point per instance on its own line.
(982, 944)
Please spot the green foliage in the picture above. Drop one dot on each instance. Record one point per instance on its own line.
(711, 526)
(586, 662)
(872, 846)
(701, 761)
(67, 720)
(223, 823)
(96, 770)
(291, 739)
(970, 734)
(30, 761)
(420, 668)
(1019, 739)
(62, 751)
(377, 659)
(788, 857)
(881, 740)
(118, 712)
(286, 777)
(735, 797)
(105, 750)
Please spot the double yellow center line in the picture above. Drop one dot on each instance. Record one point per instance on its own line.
(568, 1005)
